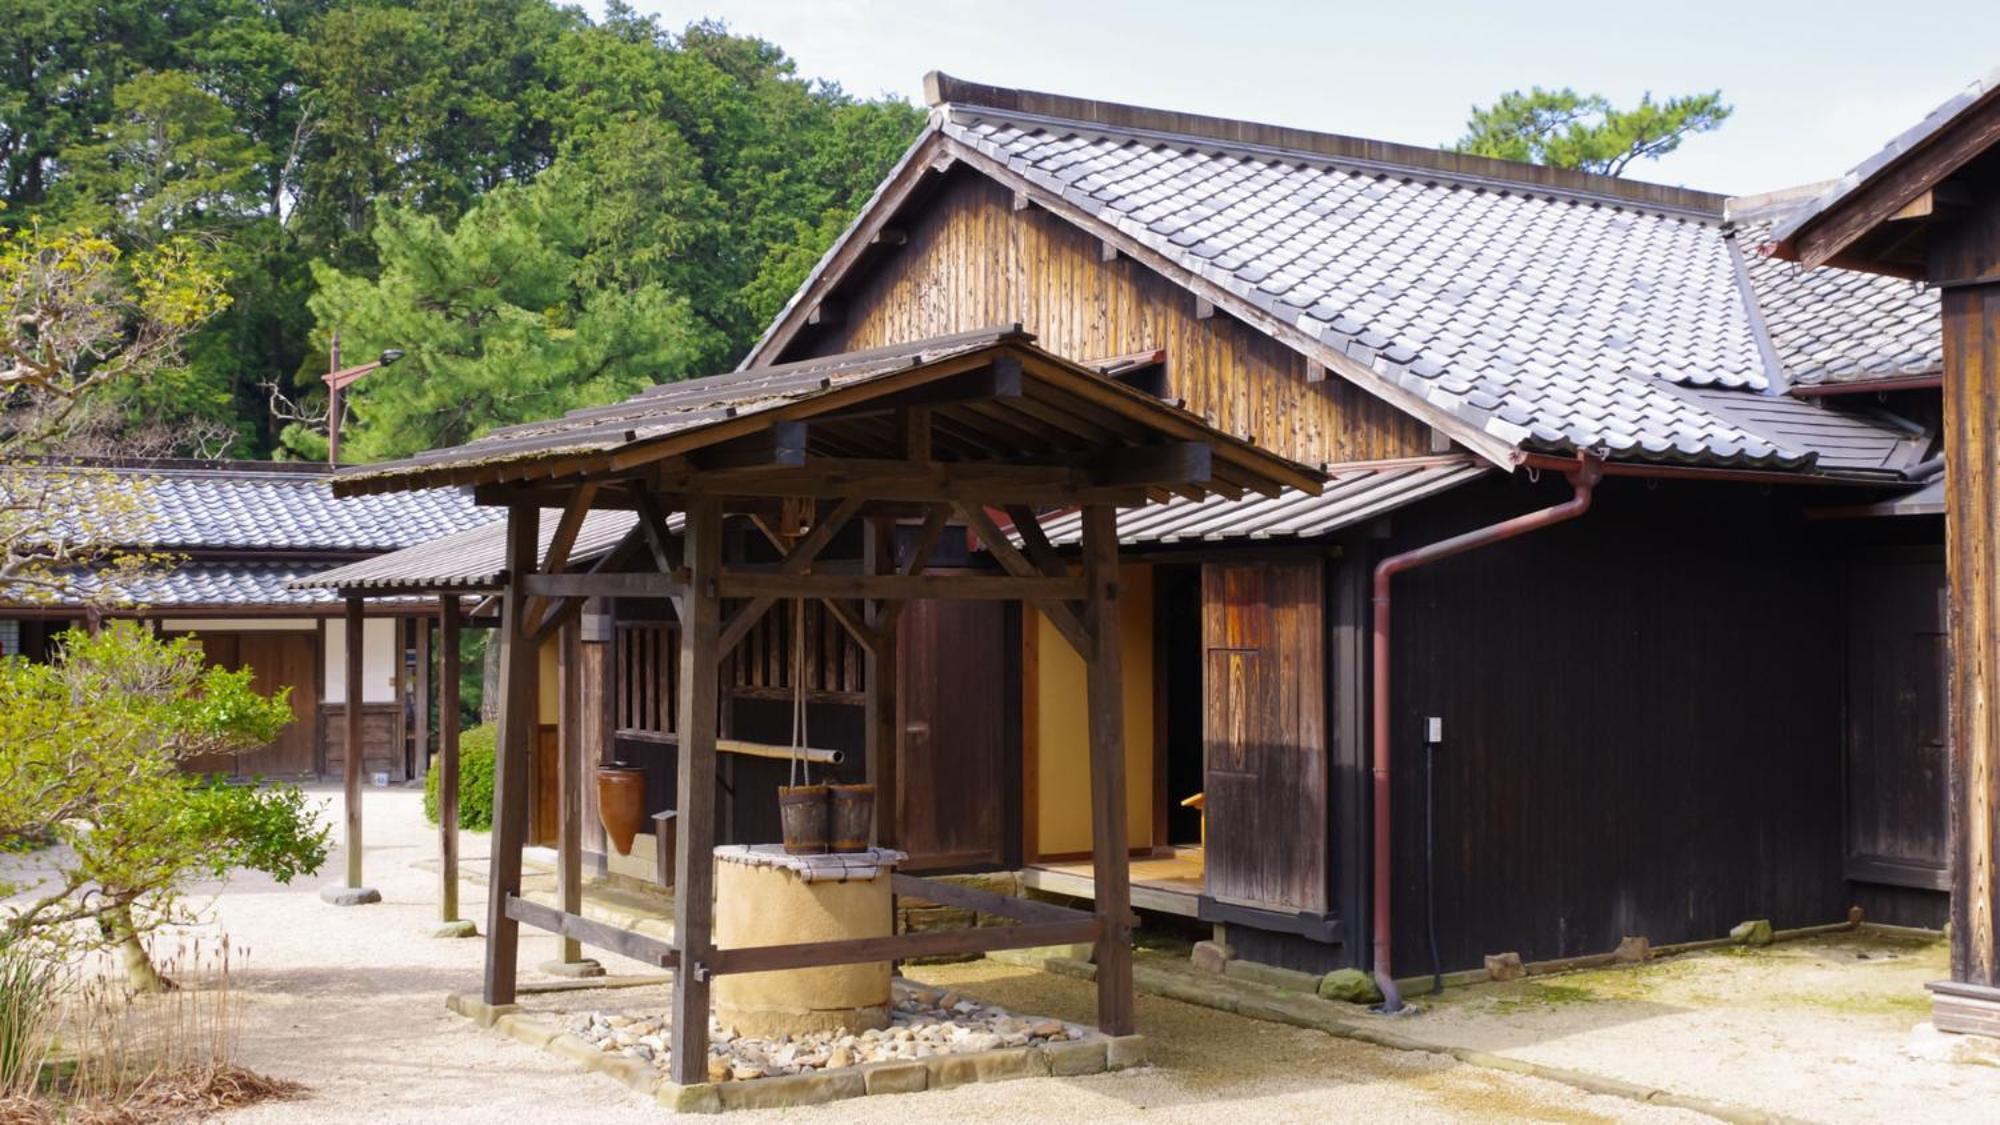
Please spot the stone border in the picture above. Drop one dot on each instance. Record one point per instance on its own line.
(1068, 1059)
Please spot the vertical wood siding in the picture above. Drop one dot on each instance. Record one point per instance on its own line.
(1642, 724)
(971, 261)
(1265, 729)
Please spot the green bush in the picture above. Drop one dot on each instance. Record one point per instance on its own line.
(475, 780)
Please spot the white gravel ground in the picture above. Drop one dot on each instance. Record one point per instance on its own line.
(351, 1002)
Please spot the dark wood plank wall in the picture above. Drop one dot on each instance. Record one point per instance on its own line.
(972, 261)
(1898, 793)
(1642, 724)
(1264, 684)
(958, 774)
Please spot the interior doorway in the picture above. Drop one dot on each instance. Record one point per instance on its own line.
(1178, 695)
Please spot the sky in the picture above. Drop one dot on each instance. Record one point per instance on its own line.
(1817, 84)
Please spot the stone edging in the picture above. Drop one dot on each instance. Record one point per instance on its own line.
(1261, 1002)
(1068, 1059)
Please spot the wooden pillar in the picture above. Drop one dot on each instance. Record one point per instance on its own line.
(447, 763)
(518, 667)
(1110, 866)
(420, 733)
(879, 678)
(1970, 1001)
(351, 768)
(569, 793)
(599, 718)
(694, 875)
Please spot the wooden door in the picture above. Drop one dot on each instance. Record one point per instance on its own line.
(1264, 729)
(957, 792)
(282, 660)
(218, 650)
(1898, 811)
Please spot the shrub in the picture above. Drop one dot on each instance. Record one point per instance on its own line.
(475, 780)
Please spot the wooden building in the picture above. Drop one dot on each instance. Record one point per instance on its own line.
(1927, 208)
(229, 538)
(1618, 614)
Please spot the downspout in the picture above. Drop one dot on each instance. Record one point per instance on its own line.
(1583, 479)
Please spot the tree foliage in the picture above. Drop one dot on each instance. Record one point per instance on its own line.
(320, 148)
(92, 750)
(1565, 129)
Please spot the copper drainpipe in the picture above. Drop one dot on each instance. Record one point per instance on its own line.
(1583, 477)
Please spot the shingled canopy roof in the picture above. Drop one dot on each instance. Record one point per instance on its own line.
(994, 400)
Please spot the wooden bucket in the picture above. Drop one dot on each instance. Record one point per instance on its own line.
(853, 817)
(802, 813)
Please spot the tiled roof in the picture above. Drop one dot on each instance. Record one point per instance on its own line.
(1906, 141)
(472, 560)
(250, 506)
(207, 584)
(1849, 439)
(1832, 325)
(1353, 494)
(1545, 320)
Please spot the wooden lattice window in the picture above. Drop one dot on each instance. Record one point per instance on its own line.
(648, 670)
(761, 666)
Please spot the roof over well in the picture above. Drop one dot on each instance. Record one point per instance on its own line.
(470, 562)
(992, 395)
(1518, 308)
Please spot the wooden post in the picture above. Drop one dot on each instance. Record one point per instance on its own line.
(420, 733)
(351, 769)
(694, 875)
(1970, 1001)
(518, 667)
(879, 676)
(570, 960)
(599, 718)
(1110, 870)
(447, 763)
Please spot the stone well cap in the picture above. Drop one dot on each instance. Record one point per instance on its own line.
(841, 867)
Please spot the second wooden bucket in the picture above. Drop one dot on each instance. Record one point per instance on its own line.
(853, 817)
(803, 814)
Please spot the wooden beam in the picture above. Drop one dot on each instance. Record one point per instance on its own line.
(970, 587)
(694, 874)
(1110, 868)
(1022, 201)
(886, 614)
(833, 478)
(880, 681)
(519, 697)
(985, 902)
(1060, 614)
(1838, 228)
(447, 763)
(916, 431)
(1107, 251)
(571, 925)
(1174, 463)
(569, 783)
(665, 547)
(1204, 309)
(421, 733)
(587, 584)
(931, 943)
(353, 684)
(797, 562)
(561, 543)
(827, 312)
(889, 236)
(781, 443)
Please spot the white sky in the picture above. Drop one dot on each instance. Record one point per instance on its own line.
(1817, 85)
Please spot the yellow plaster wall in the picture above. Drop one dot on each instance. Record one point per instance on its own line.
(548, 693)
(1055, 722)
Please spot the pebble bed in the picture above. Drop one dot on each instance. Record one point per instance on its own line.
(923, 1022)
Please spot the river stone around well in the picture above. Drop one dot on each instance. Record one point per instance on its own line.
(924, 1022)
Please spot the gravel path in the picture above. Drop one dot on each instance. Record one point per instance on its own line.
(350, 1001)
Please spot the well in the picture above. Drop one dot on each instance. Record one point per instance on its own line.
(767, 897)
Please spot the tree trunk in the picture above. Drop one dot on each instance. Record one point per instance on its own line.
(132, 955)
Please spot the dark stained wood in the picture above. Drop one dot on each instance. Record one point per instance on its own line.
(928, 943)
(1898, 795)
(953, 769)
(420, 690)
(694, 877)
(351, 742)
(1264, 680)
(449, 615)
(575, 928)
(1004, 588)
(973, 261)
(518, 700)
(985, 902)
(884, 697)
(570, 780)
(544, 787)
(280, 660)
(1111, 875)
